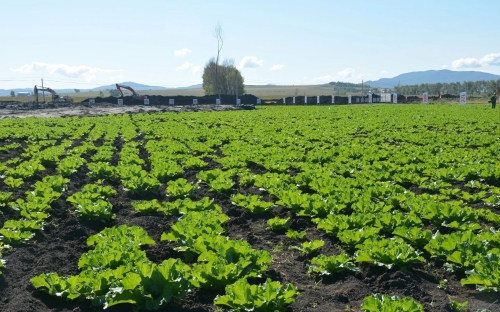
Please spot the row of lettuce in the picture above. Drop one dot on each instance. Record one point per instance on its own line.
(360, 195)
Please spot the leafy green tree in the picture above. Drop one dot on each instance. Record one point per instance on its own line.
(229, 80)
(12, 93)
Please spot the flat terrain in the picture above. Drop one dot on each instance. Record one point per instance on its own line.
(432, 168)
(263, 92)
(106, 109)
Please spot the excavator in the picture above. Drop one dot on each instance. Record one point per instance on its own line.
(119, 87)
(56, 98)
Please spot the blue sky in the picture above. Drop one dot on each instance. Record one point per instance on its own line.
(84, 44)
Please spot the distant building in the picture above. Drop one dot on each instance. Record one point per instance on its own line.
(23, 94)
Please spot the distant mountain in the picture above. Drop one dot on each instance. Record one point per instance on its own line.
(196, 86)
(133, 85)
(432, 76)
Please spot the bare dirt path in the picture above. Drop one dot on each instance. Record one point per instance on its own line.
(105, 109)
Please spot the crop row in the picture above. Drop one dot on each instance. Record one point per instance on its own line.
(392, 189)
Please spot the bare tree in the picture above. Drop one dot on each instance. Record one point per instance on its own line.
(220, 42)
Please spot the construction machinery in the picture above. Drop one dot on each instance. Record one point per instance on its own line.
(56, 98)
(119, 87)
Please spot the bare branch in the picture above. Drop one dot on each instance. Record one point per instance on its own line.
(220, 43)
(218, 35)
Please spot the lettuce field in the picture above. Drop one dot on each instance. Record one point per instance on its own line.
(340, 208)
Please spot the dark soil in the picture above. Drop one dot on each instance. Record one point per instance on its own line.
(59, 246)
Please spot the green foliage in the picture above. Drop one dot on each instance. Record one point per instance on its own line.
(252, 203)
(182, 206)
(334, 223)
(193, 163)
(270, 296)
(387, 253)
(458, 306)
(295, 234)
(354, 237)
(447, 214)
(104, 154)
(193, 225)
(8, 147)
(485, 274)
(308, 248)
(140, 182)
(13, 182)
(101, 170)
(164, 171)
(180, 188)
(218, 180)
(69, 165)
(147, 206)
(13, 236)
(278, 224)
(414, 235)
(116, 271)
(383, 303)
(25, 169)
(326, 265)
(4, 197)
(461, 249)
(90, 203)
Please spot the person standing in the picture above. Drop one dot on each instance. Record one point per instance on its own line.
(493, 100)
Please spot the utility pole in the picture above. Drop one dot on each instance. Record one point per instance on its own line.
(43, 92)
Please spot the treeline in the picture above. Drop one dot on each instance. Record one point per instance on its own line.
(471, 87)
(341, 84)
(344, 88)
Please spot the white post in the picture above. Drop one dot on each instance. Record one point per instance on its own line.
(425, 98)
(463, 98)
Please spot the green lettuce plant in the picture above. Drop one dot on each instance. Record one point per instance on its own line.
(378, 303)
(270, 296)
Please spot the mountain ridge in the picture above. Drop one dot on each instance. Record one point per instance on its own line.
(432, 76)
(134, 85)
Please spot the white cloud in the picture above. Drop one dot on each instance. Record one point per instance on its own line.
(276, 67)
(444, 66)
(182, 52)
(196, 69)
(82, 71)
(383, 72)
(488, 59)
(250, 62)
(189, 66)
(346, 74)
